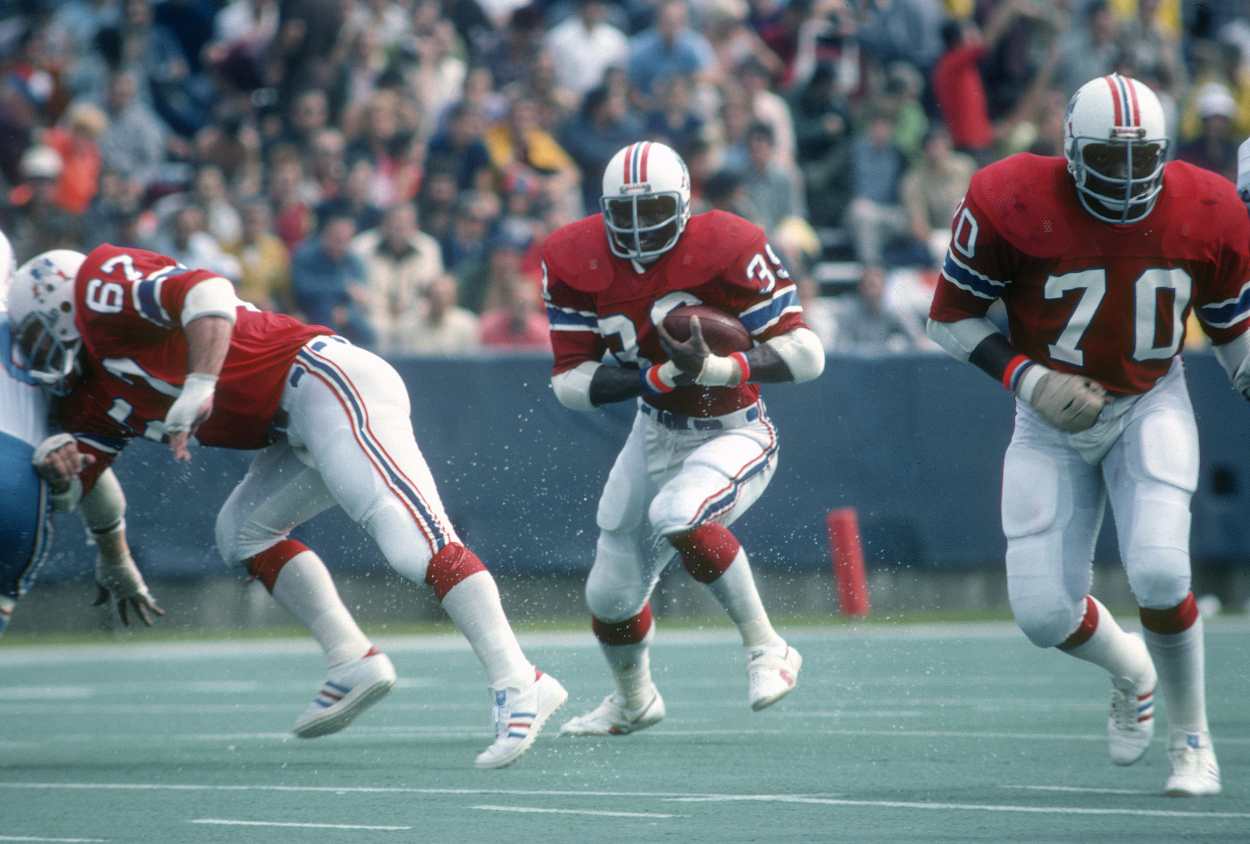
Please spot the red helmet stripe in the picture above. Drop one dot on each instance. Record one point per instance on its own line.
(629, 156)
(642, 162)
(1116, 101)
(636, 162)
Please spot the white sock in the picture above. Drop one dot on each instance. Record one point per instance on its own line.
(1179, 660)
(631, 670)
(473, 604)
(305, 590)
(1122, 654)
(736, 592)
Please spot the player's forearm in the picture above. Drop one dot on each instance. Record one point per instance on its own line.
(797, 356)
(611, 384)
(208, 342)
(980, 343)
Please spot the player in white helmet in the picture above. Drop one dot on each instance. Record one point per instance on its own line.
(170, 353)
(1099, 258)
(702, 449)
(40, 314)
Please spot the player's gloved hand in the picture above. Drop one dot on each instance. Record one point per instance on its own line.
(58, 461)
(189, 410)
(118, 578)
(1069, 402)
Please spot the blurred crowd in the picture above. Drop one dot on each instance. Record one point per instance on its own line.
(389, 168)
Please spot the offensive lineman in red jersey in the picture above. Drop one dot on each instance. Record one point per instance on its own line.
(702, 448)
(169, 352)
(1099, 263)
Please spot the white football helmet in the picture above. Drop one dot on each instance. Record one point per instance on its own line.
(1116, 144)
(646, 200)
(41, 317)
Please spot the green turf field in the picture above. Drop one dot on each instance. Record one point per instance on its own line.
(908, 733)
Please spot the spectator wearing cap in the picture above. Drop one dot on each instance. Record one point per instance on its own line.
(400, 262)
(36, 223)
(584, 46)
(1214, 149)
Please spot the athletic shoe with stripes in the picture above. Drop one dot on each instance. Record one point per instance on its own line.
(771, 674)
(349, 690)
(1195, 773)
(1131, 724)
(612, 718)
(519, 718)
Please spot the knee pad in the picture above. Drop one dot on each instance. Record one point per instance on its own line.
(450, 566)
(1047, 623)
(1030, 493)
(706, 551)
(617, 589)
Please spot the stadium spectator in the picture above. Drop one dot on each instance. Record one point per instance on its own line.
(669, 47)
(1154, 50)
(584, 45)
(674, 120)
(118, 200)
(264, 261)
(182, 237)
(460, 149)
(823, 132)
(134, 141)
(1215, 148)
(520, 148)
(326, 164)
(440, 325)
(868, 327)
(766, 106)
(357, 197)
(400, 263)
(74, 137)
(931, 191)
(328, 282)
(874, 217)
(774, 185)
(221, 218)
(289, 196)
(518, 321)
(1088, 49)
(35, 222)
(603, 125)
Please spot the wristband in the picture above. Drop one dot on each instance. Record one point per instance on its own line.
(724, 371)
(1027, 382)
(197, 391)
(1015, 368)
(659, 379)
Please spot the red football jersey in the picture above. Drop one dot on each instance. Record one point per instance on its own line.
(128, 307)
(1091, 298)
(597, 302)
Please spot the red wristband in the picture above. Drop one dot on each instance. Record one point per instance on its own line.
(743, 365)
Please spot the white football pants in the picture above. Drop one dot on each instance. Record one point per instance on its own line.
(668, 479)
(349, 442)
(1142, 454)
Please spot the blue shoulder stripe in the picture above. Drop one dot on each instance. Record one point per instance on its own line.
(1229, 312)
(147, 301)
(759, 318)
(966, 278)
(568, 319)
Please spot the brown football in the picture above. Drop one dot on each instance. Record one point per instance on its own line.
(724, 332)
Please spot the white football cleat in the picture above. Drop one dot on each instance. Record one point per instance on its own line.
(519, 718)
(771, 674)
(1195, 773)
(611, 718)
(349, 690)
(1131, 724)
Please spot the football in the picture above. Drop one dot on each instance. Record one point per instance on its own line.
(724, 332)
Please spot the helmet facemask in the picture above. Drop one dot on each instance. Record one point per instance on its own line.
(45, 338)
(46, 359)
(1118, 181)
(643, 227)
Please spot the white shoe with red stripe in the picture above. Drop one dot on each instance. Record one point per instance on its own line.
(1194, 771)
(771, 674)
(349, 690)
(1131, 724)
(519, 718)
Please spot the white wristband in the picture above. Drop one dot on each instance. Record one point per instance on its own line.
(197, 389)
(1028, 382)
(720, 371)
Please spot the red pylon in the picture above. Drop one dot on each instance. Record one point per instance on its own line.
(847, 553)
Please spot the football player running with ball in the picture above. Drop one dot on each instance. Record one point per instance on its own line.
(702, 448)
(168, 353)
(1099, 260)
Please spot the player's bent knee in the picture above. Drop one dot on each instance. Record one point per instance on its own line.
(401, 541)
(615, 588)
(1160, 579)
(1047, 622)
(451, 566)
